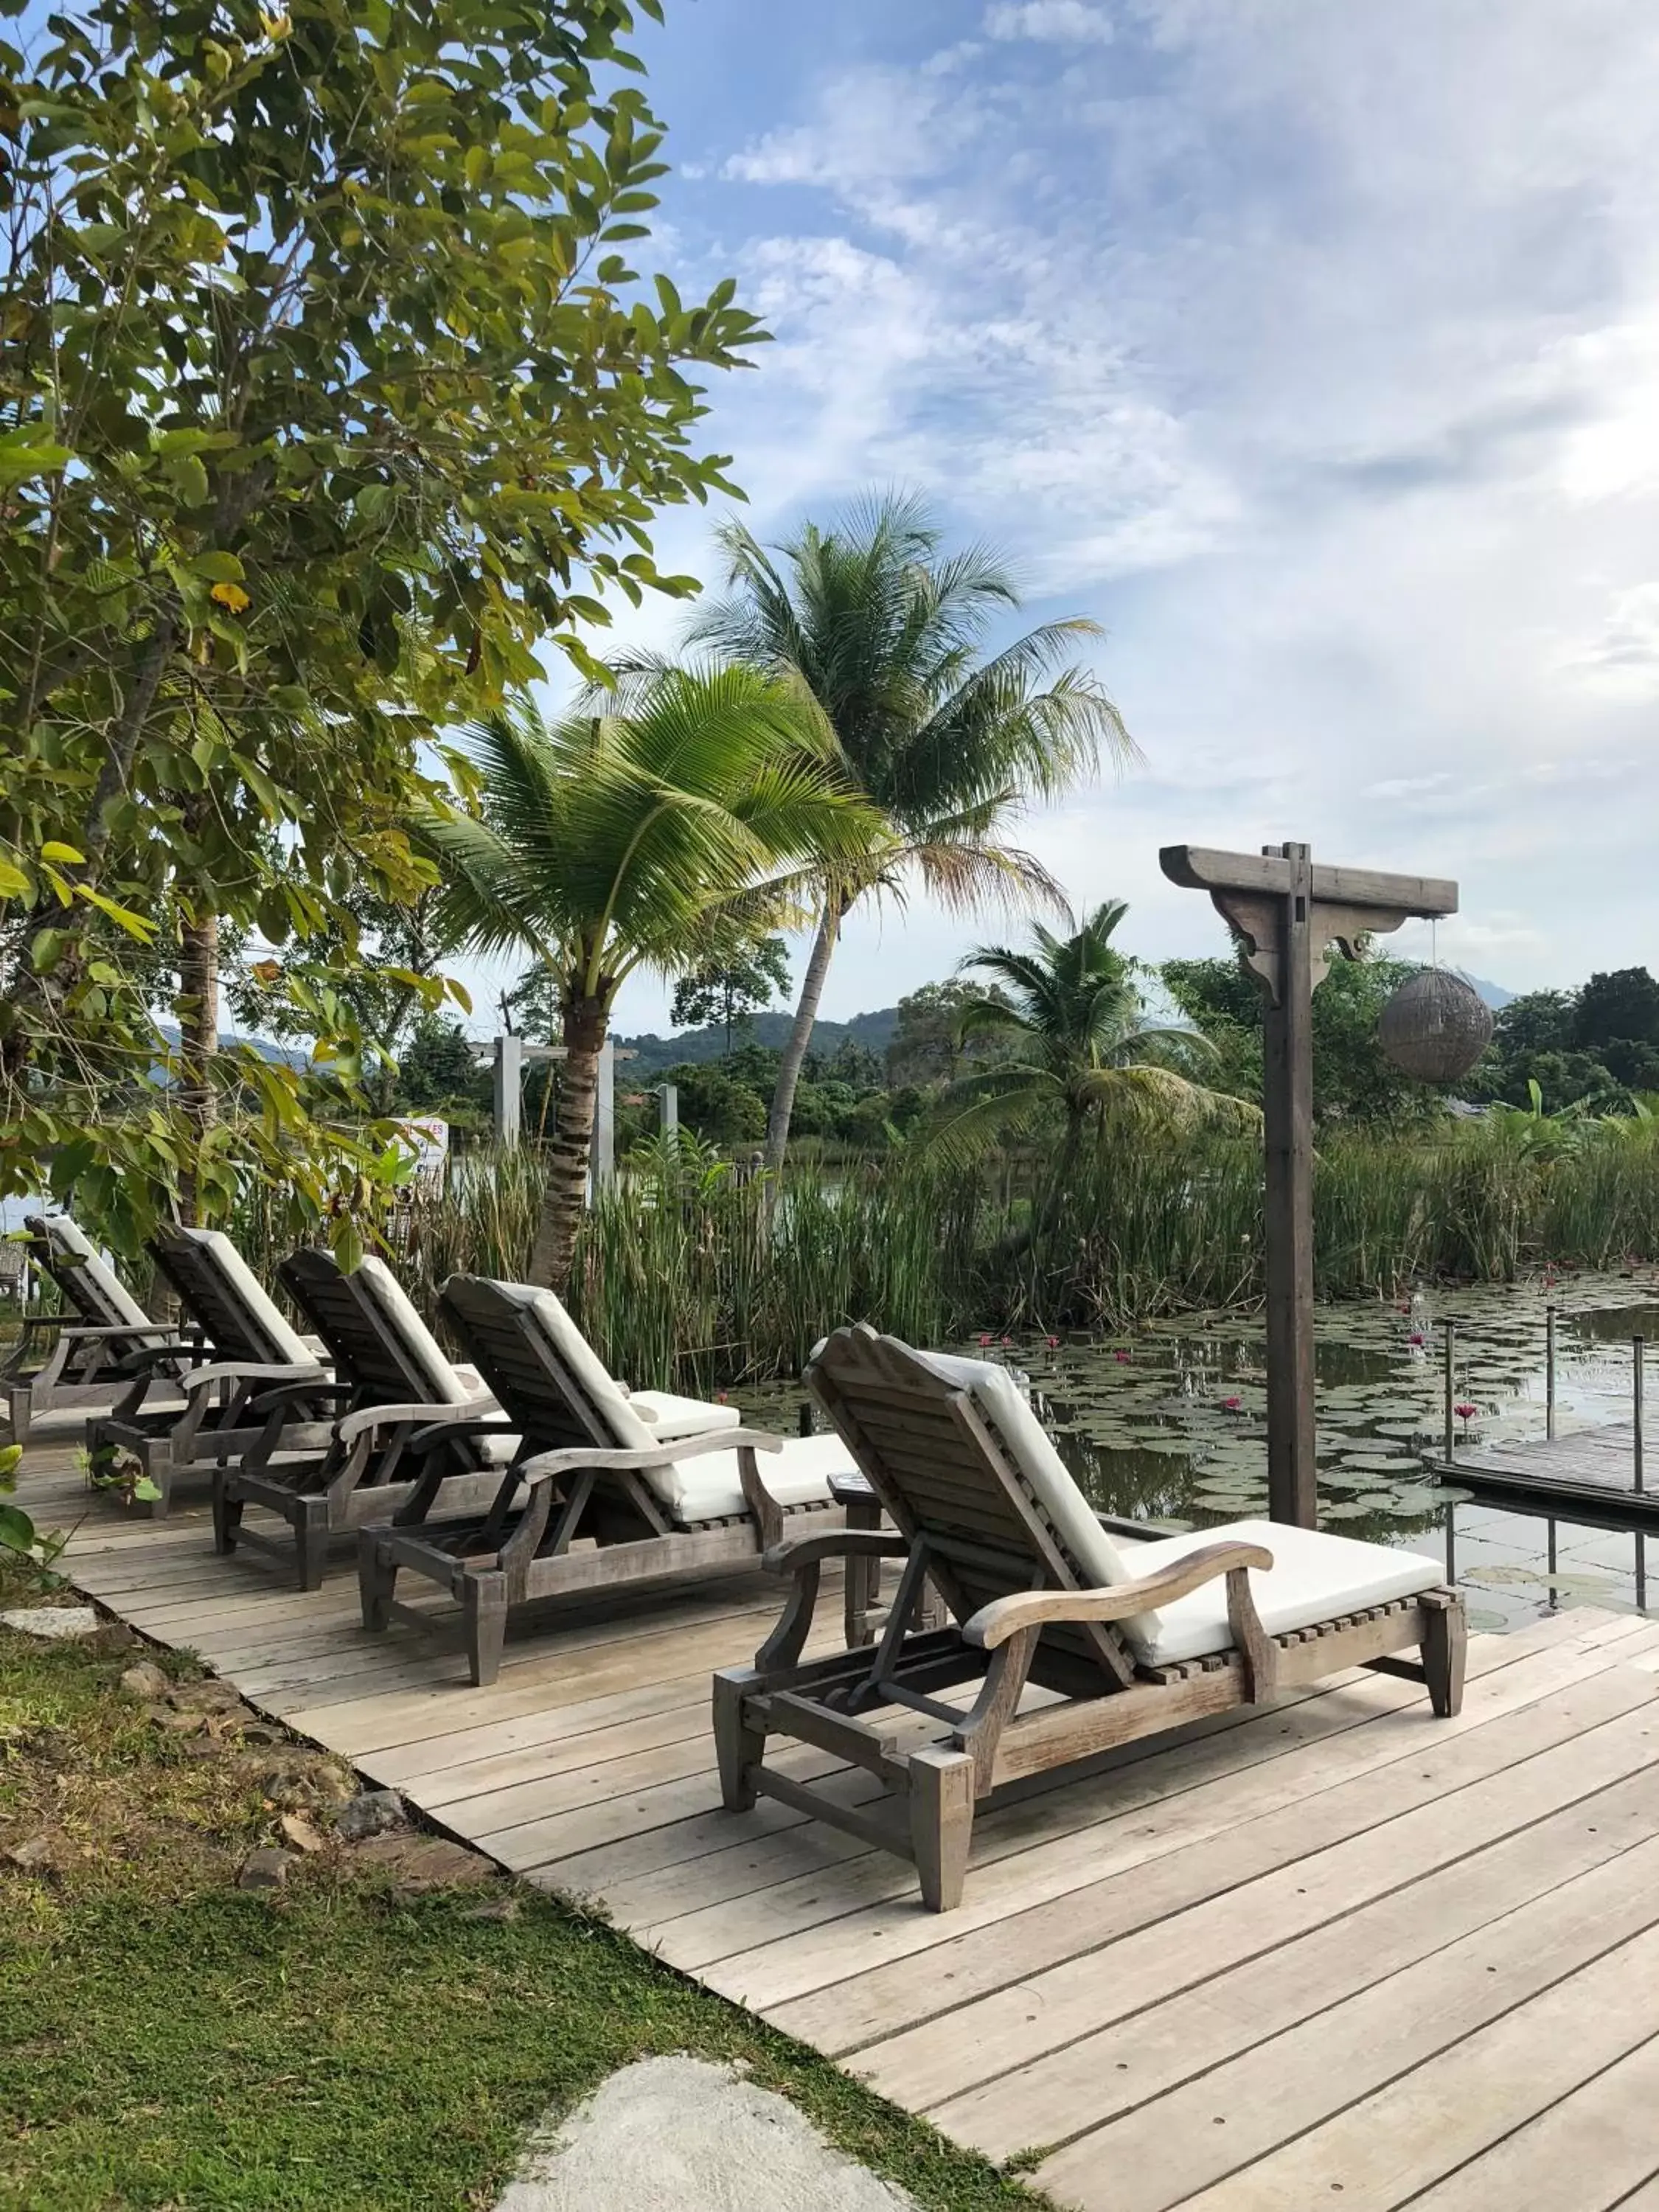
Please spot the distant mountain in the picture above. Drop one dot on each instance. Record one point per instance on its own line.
(651, 1053)
(1491, 994)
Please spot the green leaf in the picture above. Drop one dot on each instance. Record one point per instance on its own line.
(17, 1532)
(13, 884)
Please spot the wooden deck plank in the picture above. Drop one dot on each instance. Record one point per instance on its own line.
(1513, 1895)
(1323, 1739)
(1587, 2152)
(1389, 2146)
(1136, 1940)
(769, 1977)
(1237, 1913)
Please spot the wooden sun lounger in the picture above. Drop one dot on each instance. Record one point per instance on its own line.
(1132, 1642)
(87, 1345)
(609, 1489)
(391, 1382)
(246, 1347)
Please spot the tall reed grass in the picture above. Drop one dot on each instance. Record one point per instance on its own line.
(689, 1278)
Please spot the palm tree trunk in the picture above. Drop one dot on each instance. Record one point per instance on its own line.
(584, 1028)
(198, 1009)
(800, 1037)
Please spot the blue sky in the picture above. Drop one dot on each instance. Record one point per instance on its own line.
(1308, 346)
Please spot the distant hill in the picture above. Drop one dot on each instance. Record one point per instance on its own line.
(653, 1053)
(1492, 994)
(874, 1031)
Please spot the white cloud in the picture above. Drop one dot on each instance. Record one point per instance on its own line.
(1063, 23)
(1310, 349)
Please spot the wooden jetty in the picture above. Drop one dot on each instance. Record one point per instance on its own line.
(1589, 1478)
(1332, 1946)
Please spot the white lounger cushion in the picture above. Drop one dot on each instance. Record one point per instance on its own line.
(446, 1384)
(704, 1489)
(1314, 1577)
(449, 1385)
(72, 1241)
(711, 1489)
(282, 1344)
(1100, 1561)
(665, 1415)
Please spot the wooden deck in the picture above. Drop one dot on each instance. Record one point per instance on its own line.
(1585, 1478)
(1336, 1947)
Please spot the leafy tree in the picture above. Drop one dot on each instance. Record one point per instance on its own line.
(1352, 1079)
(438, 1070)
(927, 1046)
(1620, 1007)
(605, 842)
(380, 958)
(731, 988)
(1086, 1056)
(716, 1105)
(327, 394)
(885, 632)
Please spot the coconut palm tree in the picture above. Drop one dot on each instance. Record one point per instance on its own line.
(946, 742)
(1081, 1050)
(606, 842)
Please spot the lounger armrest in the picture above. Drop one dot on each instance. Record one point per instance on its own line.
(473, 1411)
(155, 1355)
(248, 1370)
(1004, 1617)
(798, 1552)
(296, 1393)
(445, 1425)
(87, 1330)
(669, 1453)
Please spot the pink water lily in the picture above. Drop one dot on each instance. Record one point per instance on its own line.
(1053, 1343)
(1416, 1337)
(1232, 1405)
(985, 1337)
(1465, 1413)
(1122, 1357)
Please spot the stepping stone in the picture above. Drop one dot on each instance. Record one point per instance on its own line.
(56, 1624)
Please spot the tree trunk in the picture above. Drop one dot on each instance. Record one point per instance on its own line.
(198, 1009)
(585, 1023)
(800, 1037)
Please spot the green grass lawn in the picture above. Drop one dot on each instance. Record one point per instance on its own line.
(172, 2040)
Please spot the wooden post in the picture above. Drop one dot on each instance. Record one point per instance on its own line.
(1639, 1473)
(1286, 913)
(1287, 1134)
(1451, 1327)
(1549, 1373)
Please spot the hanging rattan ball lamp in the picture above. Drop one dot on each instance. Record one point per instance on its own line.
(1435, 1027)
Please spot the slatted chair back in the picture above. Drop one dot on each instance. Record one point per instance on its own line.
(962, 1465)
(540, 1367)
(225, 1298)
(377, 1340)
(93, 1289)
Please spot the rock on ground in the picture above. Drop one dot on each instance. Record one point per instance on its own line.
(677, 2134)
(54, 1622)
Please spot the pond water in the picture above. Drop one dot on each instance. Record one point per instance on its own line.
(1170, 1426)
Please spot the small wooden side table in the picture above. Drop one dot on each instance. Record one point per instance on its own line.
(865, 1613)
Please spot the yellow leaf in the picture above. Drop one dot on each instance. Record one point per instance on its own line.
(53, 849)
(232, 596)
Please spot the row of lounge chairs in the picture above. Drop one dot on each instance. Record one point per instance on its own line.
(532, 1475)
